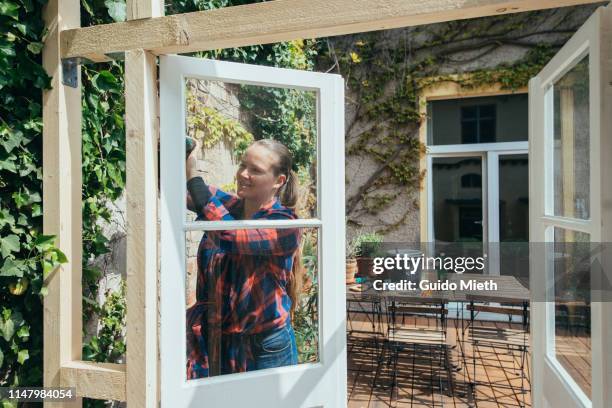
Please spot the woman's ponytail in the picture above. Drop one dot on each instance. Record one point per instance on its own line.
(288, 193)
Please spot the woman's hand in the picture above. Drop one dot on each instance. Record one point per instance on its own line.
(191, 164)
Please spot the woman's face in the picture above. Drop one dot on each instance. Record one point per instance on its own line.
(255, 176)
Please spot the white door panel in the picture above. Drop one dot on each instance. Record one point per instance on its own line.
(570, 146)
(321, 384)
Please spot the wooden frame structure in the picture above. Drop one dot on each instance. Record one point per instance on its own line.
(148, 33)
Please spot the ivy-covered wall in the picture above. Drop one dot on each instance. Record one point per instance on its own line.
(386, 72)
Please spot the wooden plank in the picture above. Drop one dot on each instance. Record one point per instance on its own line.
(142, 138)
(142, 130)
(142, 135)
(95, 380)
(280, 20)
(62, 316)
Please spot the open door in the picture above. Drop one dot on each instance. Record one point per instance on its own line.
(318, 378)
(570, 160)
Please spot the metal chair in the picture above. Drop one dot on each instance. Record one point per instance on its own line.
(430, 340)
(365, 332)
(495, 338)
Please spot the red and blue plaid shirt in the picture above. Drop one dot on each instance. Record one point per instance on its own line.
(250, 270)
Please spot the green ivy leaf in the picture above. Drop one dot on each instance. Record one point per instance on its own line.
(8, 164)
(35, 47)
(9, 244)
(22, 356)
(9, 9)
(24, 331)
(104, 81)
(12, 268)
(44, 242)
(116, 9)
(7, 328)
(6, 218)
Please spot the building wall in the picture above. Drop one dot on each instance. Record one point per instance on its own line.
(360, 168)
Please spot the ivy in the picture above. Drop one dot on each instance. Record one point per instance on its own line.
(212, 127)
(27, 256)
(387, 71)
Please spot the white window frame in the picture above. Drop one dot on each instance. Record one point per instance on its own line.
(489, 153)
(310, 384)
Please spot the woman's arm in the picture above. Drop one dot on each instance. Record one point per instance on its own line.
(259, 241)
(199, 194)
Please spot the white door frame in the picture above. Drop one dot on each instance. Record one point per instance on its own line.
(489, 153)
(305, 385)
(551, 383)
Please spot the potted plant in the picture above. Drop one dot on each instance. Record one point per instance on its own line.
(367, 246)
(351, 261)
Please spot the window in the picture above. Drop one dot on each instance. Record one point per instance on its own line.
(478, 124)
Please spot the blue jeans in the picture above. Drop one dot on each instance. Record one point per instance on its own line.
(275, 348)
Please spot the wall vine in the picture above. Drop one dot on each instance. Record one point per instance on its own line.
(386, 72)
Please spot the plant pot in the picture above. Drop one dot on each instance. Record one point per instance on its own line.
(351, 270)
(365, 266)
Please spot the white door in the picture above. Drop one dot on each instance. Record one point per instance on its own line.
(321, 382)
(570, 163)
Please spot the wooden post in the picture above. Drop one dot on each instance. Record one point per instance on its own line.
(62, 199)
(142, 135)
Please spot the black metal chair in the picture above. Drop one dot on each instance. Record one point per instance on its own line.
(365, 332)
(487, 341)
(428, 341)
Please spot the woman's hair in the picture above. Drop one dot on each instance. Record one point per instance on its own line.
(288, 194)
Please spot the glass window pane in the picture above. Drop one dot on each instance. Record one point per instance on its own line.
(469, 131)
(252, 300)
(572, 305)
(228, 122)
(457, 199)
(514, 216)
(487, 130)
(501, 118)
(571, 142)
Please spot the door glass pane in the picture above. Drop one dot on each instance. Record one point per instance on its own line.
(457, 199)
(514, 215)
(572, 305)
(486, 119)
(228, 121)
(571, 142)
(252, 300)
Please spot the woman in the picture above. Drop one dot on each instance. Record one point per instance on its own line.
(247, 282)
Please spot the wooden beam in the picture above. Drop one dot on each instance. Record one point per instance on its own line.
(142, 136)
(95, 380)
(62, 316)
(280, 20)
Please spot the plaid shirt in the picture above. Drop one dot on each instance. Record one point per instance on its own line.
(250, 269)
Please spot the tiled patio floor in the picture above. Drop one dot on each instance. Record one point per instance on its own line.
(422, 384)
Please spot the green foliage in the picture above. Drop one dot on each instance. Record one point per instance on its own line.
(211, 127)
(26, 255)
(367, 244)
(305, 321)
(103, 135)
(109, 345)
